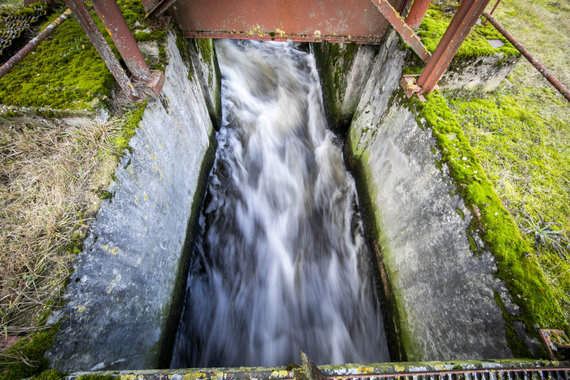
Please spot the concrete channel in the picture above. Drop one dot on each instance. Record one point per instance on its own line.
(124, 298)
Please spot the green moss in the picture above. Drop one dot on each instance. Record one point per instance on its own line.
(130, 124)
(65, 71)
(32, 349)
(334, 77)
(516, 265)
(206, 48)
(50, 374)
(521, 137)
(436, 22)
(95, 377)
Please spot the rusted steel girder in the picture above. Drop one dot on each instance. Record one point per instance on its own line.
(403, 29)
(539, 66)
(115, 24)
(298, 20)
(6, 67)
(417, 13)
(460, 26)
(82, 15)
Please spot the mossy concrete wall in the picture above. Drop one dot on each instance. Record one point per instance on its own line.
(123, 308)
(483, 73)
(442, 293)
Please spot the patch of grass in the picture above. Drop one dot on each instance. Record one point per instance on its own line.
(50, 171)
(521, 137)
(517, 266)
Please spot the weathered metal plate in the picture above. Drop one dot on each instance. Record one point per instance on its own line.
(297, 20)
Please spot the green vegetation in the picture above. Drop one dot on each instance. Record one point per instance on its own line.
(130, 124)
(521, 138)
(26, 358)
(516, 263)
(525, 153)
(436, 22)
(64, 72)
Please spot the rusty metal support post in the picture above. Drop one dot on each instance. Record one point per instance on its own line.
(402, 28)
(417, 13)
(460, 26)
(6, 67)
(82, 15)
(539, 66)
(117, 27)
(492, 11)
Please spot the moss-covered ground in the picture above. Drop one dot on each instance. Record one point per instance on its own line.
(65, 71)
(518, 135)
(521, 137)
(516, 260)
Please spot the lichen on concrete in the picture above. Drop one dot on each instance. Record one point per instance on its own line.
(120, 297)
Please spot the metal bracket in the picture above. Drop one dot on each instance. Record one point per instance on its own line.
(554, 339)
(410, 86)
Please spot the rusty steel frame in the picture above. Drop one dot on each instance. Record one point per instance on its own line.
(460, 26)
(6, 67)
(82, 15)
(403, 29)
(417, 13)
(115, 24)
(298, 20)
(535, 62)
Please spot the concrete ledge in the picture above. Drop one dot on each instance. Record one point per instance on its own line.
(491, 368)
(483, 73)
(121, 298)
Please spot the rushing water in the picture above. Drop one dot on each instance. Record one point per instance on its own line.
(281, 264)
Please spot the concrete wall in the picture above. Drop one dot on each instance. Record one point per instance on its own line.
(442, 293)
(122, 309)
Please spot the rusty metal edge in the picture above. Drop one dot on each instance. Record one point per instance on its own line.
(403, 29)
(371, 39)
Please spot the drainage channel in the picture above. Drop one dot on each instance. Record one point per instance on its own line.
(281, 263)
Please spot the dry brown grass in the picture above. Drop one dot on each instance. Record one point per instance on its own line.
(48, 173)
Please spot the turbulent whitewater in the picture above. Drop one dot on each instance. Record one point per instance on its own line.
(281, 264)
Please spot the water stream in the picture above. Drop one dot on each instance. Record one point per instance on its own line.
(281, 264)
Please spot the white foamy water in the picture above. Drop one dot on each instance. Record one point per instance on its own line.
(281, 264)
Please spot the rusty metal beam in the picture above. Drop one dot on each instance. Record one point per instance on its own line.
(156, 7)
(492, 11)
(417, 13)
(82, 15)
(298, 20)
(115, 24)
(535, 62)
(403, 29)
(460, 26)
(6, 67)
